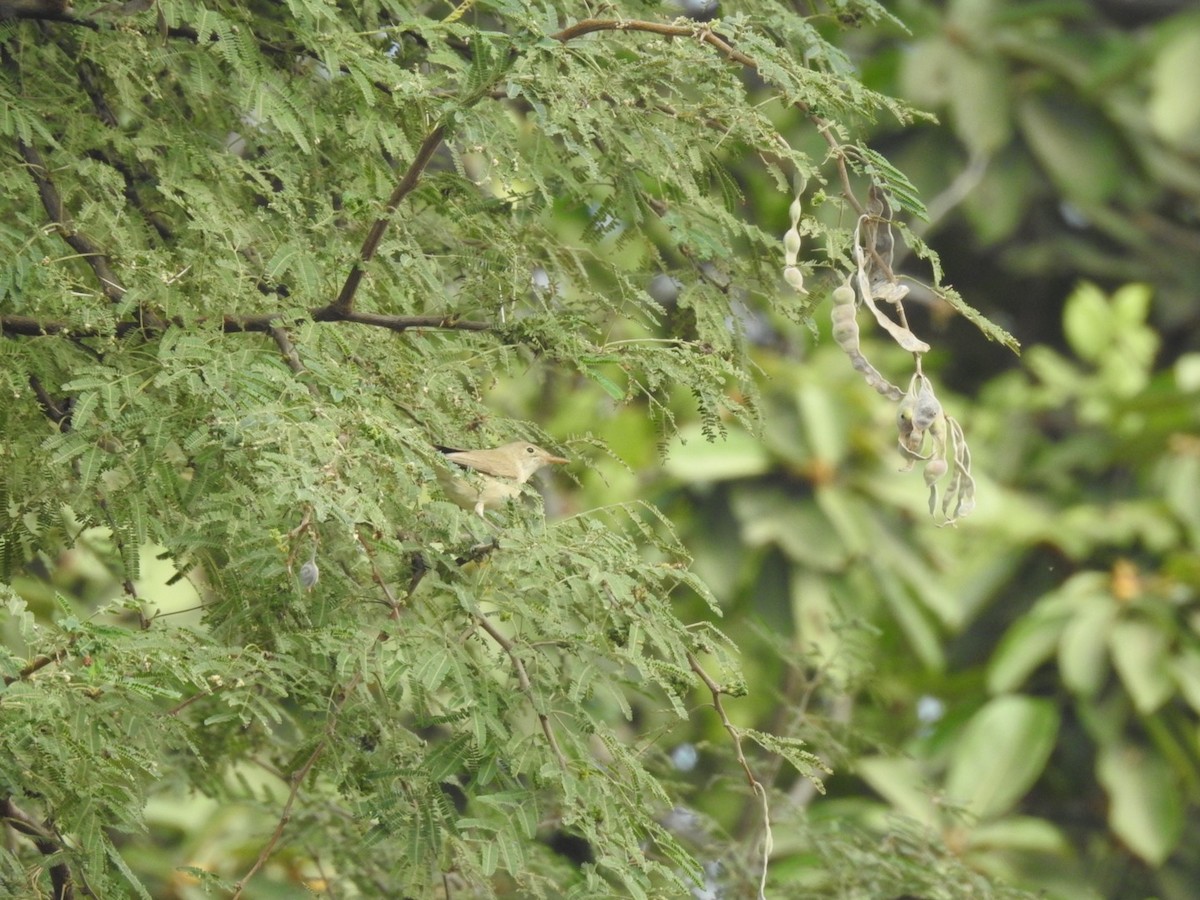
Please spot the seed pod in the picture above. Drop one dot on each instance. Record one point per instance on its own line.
(935, 469)
(899, 333)
(794, 212)
(959, 500)
(845, 332)
(926, 407)
(309, 574)
(845, 327)
(791, 245)
(795, 278)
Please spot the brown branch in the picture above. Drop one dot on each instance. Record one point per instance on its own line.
(45, 841)
(296, 779)
(395, 323)
(523, 680)
(265, 321)
(59, 415)
(27, 326)
(91, 252)
(755, 785)
(345, 299)
(708, 36)
(288, 350)
(52, 202)
(825, 127)
(44, 11)
(702, 32)
(36, 665)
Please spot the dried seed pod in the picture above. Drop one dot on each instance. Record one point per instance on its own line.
(309, 574)
(926, 407)
(959, 500)
(899, 333)
(935, 469)
(881, 237)
(845, 332)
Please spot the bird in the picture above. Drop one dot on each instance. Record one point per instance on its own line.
(496, 474)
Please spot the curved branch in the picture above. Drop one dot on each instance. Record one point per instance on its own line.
(706, 35)
(46, 843)
(52, 202)
(755, 785)
(701, 32)
(36, 665)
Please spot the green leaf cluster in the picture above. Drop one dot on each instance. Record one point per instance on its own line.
(263, 259)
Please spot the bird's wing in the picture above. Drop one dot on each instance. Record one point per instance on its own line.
(481, 461)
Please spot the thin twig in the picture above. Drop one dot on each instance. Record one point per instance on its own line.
(523, 679)
(755, 785)
(37, 665)
(703, 32)
(392, 601)
(296, 780)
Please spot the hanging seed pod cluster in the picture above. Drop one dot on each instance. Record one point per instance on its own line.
(926, 433)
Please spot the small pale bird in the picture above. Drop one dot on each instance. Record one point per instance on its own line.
(494, 476)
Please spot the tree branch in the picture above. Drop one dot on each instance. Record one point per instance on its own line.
(523, 680)
(46, 843)
(345, 299)
(52, 202)
(91, 252)
(706, 35)
(296, 779)
(701, 32)
(755, 785)
(27, 326)
(36, 665)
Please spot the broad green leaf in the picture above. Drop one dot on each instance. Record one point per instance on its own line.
(912, 619)
(1174, 111)
(998, 204)
(1083, 648)
(1023, 833)
(1088, 322)
(899, 782)
(1027, 644)
(979, 99)
(1145, 803)
(1186, 668)
(1000, 754)
(694, 458)
(823, 425)
(1131, 305)
(771, 516)
(1076, 147)
(1139, 652)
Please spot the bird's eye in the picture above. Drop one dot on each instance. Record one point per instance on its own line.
(530, 450)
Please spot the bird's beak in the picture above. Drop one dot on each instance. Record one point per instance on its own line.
(557, 460)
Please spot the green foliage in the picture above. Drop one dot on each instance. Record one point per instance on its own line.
(1069, 146)
(1023, 685)
(263, 258)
